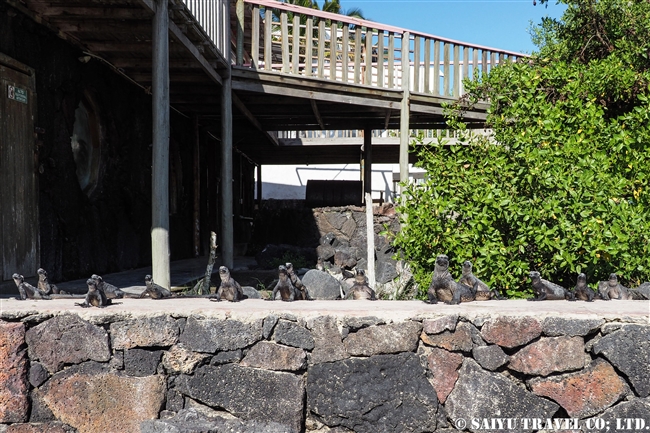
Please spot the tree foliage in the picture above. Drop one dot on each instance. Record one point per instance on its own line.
(562, 186)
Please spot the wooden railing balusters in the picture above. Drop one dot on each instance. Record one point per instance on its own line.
(345, 59)
(357, 55)
(391, 60)
(416, 64)
(268, 54)
(255, 37)
(446, 73)
(380, 58)
(321, 48)
(457, 74)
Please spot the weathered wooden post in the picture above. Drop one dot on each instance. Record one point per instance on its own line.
(405, 111)
(367, 161)
(227, 240)
(160, 156)
(370, 234)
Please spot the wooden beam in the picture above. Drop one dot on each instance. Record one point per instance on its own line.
(387, 120)
(208, 67)
(93, 12)
(319, 119)
(251, 118)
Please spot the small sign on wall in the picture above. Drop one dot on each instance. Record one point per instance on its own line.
(17, 94)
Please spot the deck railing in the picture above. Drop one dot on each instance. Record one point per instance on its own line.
(214, 18)
(300, 41)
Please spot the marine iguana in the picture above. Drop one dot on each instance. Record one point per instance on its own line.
(360, 289)
(481, 290)
(229, 289)
(444, 288)
(544, 289)
(582, 291)
(109, 290)
(95, 297)
(612, 289)
(26, 290)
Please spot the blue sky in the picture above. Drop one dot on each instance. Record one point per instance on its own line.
(495, 23)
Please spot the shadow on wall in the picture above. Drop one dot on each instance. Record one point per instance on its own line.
(281, 191)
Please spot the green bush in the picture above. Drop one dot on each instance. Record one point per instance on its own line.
(562, 185)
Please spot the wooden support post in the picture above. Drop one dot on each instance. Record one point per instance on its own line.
(370, 235)
(405, 112)
(196, 219)
(367, 162)
(239, 10)
(160, 153)
(227, 241)
(259, 186)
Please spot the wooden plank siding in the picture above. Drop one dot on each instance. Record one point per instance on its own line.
(19, 223)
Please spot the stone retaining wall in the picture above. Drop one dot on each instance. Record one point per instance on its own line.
(321, 373)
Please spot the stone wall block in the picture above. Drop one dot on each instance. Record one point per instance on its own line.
(104, 402)
(193, 421)
(272, 356)
(436, 326)
(293, 335)
(629, 350)
(14, 390)
(616, 418)
(511, 331)
(584, 393)
(490, 357)
(549, 355)
(248, 393)
(161, 331)
(212, 335)
(37, 374)
(179, 359)
(444, 367)
(459, 340)
(328, 343)
(392, 338)
(481, 394)
(49, 427)
(67, 339)
(141, 362)
(383, 393)
(572, 327)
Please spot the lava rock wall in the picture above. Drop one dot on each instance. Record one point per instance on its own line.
(326, 373)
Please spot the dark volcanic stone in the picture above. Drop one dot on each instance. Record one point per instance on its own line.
(325, 251)
(140, 362)
(629, 350)
(385, 271)
(436, 326)
(630, 410)
(269, 324)
(270, 356)
(251, 292)
(321, 285)
(193, 421)
(212, 335)
(511, 331)
(458, 340)
(40, 427)
(37, 374)
(375, 340)
(383, 393)
(328, 343)
(160, 331)
(558, 326)
(227, 357)
(294, 335)
(490, 357)
(481, 394)
(344, 259)
(549, 355)
(248, 393)
(67, 339)
(40, 412)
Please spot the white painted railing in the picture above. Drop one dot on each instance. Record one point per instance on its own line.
(300, 41)
(214, 18)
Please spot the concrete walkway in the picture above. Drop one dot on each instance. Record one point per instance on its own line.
(182, 272)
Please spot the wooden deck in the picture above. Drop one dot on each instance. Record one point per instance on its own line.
(292, 68)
